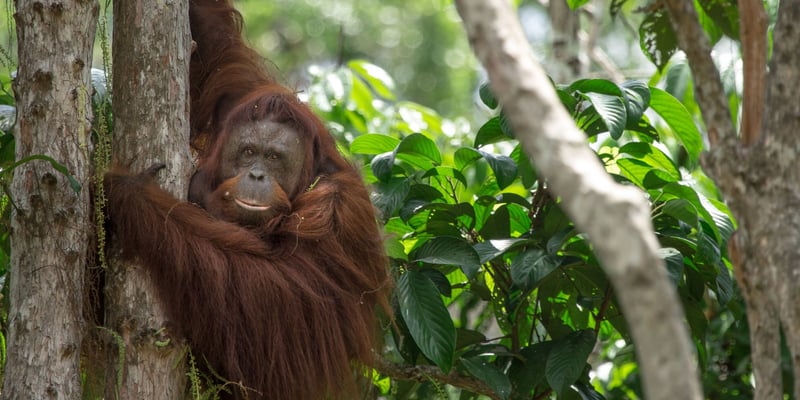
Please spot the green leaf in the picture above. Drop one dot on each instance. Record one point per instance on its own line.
(679, 120)
(504, 168)
(73, 183)
(7, 145)
(524, 168)
(387, 196)
(612, 110)
(492, 249)
(653, 157)
(567, 359)
(587, 392)
(446, 172)
(373, 144)
(721, 217)
(637, 99)
(427, 318)
(498, 225)
(601, 86)
(574, 4)
(682, 210)
(394, 249)
(529, 372)
(468, 337)
(382, 166)
(420, 145)
(724, 286)
(465, 156)
(673, 259)
(487, 97)
(724, 14)
(635, 170)
(657, 38)
(449, 250)
(490, 132)
(378, 79)
(438, 279)
(531, 266)
(685, 192)
(490, 374)
(656, 178)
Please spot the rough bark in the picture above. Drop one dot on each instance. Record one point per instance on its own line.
(151, 48)
(616, 218)
(51, 222)
(760, 183)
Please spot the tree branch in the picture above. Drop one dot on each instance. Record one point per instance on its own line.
(707, 83)
(753, 36)
(426, 373)
(615, 217)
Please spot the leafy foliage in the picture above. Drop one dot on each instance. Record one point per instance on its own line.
(493, 278)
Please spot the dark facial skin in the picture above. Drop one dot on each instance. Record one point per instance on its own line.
(261, 166)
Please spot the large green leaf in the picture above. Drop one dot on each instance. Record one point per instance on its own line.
(679, 120)
(657, 38)
(528, 371)
(448, 250)
(504, 168)
(494, 377)
(635, 170)
(603, 86)
(487, 97)
(637, 99)
(567, 359)
(382, 166)
(388, 196)
(373, 144)
(427, 318)
(492, 249)
(531, 266)
(490, 132)
(420, 145)
(681, 191)
(653, 157)
(612, 110)
(465, 156)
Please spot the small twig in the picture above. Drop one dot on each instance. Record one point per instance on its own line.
(602, 311)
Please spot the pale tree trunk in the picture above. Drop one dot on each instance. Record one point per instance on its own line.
(758, 173)
(151, 49)
(50, 223)
(615, 217)
(567, 63)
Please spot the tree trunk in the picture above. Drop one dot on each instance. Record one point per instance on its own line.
(759, 181)
(51, 221)
(151, 48)
(771, 215)
(616, 218)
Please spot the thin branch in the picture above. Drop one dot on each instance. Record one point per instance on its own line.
(753, 36)
(427, 373)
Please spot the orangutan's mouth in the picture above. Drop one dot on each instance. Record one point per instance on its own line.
(250, 206)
